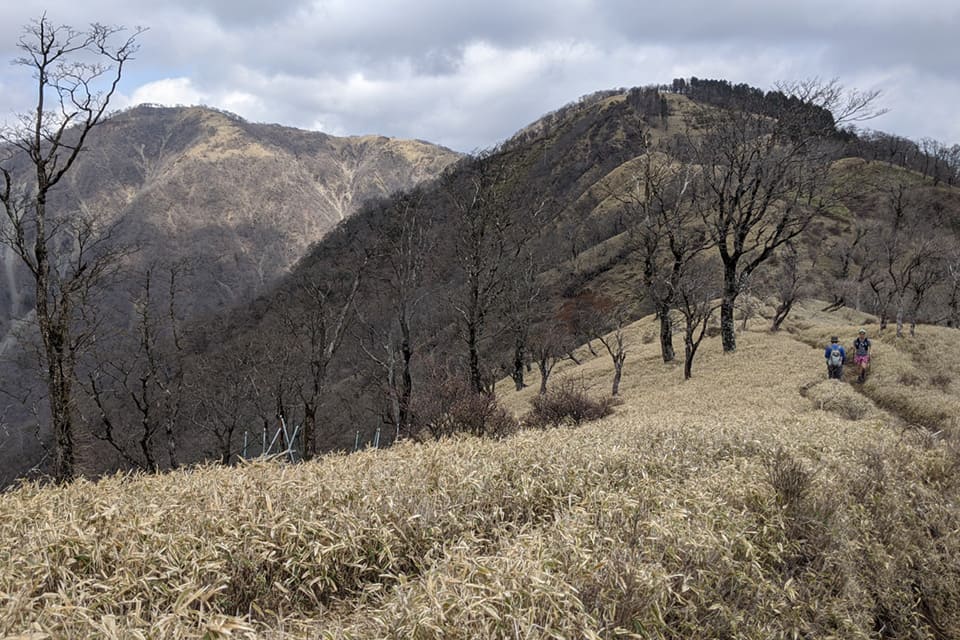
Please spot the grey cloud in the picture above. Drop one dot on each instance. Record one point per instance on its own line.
(411, 68)
(242, 13)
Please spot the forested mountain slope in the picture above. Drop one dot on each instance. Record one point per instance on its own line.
(198, 203)
(241, 200)
(544, 242)
(702, 204)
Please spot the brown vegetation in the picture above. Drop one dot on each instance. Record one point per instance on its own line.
(726, 505)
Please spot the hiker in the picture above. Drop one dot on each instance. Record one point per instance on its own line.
(835, 356)
(861, 353)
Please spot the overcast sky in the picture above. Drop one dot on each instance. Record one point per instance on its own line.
(469, 74)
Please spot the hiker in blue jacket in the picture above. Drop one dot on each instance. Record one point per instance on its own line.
(835, 356)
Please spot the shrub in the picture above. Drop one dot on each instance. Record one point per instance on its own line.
(567, 403)
(453, 407)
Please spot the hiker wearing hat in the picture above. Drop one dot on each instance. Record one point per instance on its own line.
(861, 353)
(835, 356)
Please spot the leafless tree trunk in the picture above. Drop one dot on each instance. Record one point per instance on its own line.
(930, 275)
(521, 294)
(548, 346)
(488, 241)
(77, 74)
(665, 233)
(402, 250)
(848, 251)
(789, 281)
(907, 254)
(695, 301)
(952, 271)
(615, 345)
(143, 378)
(318, 324)
(224, 403)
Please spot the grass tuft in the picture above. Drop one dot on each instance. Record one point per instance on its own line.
(840, 398)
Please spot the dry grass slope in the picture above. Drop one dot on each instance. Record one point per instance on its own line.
(734, 505)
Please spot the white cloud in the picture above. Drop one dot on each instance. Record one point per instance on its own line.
(169, 91)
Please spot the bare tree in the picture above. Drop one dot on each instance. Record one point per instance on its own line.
(521, 295)
(274, 370)
(142, 375)
(583, 316)
(764, 175)
(316, 319)
(549, 344)
(929, 276)
(403, 247)
(67, 254)
(665, 231)
(845, 106)
(848, 251)
(615, 344)
(906, 249)
(481, 201)
(696, 301)
(952, 273)
(788, 285)
(224, 395)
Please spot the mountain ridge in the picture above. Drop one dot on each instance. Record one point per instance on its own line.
(560, 185)
(572, 166)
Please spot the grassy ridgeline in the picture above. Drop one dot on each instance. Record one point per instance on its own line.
(738, 504)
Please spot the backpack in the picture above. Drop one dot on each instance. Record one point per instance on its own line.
(836, 358)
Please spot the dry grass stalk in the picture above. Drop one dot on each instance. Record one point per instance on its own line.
(725, 506)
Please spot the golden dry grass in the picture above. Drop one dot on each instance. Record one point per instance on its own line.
(731, 505)
(224, 139)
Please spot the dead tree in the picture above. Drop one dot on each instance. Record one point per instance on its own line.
(66, 253)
